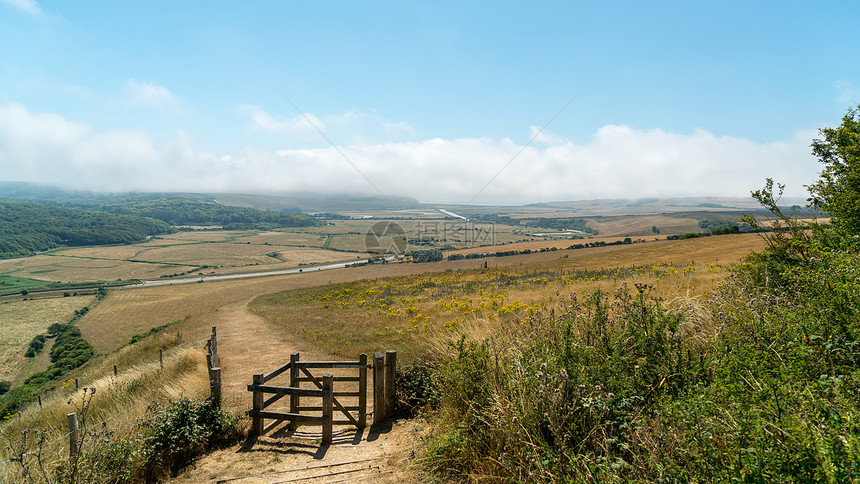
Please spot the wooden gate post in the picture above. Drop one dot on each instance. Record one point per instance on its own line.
(257, 421)
(294, 399)
(328, 408)
(378, 387)
(362, 391)
(390, 375)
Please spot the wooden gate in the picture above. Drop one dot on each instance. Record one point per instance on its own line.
(323, 388)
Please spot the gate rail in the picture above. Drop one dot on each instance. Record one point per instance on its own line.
(300, 373)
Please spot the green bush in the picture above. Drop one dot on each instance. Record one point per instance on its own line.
(183, 431)
(36, 346)
(416, 388)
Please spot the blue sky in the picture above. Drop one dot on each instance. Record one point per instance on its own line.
(430, 100)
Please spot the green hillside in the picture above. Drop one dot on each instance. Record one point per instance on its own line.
(27, 228)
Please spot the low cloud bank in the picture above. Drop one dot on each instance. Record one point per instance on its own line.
(617, 162)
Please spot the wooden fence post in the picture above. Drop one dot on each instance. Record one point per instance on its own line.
(328, 408)
(76, 384)
(390, 375)
(73, 436)
(257, 421)
(161, 358)
(378, 387)
(213, 348)
(40, 401)
(215, 385)
(294, 399)
(362, 391)
(115, 372)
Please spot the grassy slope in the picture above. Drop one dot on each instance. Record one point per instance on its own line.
(20, 321)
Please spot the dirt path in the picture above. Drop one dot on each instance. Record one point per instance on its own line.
(248, 344)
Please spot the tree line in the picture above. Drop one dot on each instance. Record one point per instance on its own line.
(27, 228)
(185, 211)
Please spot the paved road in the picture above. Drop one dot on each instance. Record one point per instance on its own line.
(170, 282)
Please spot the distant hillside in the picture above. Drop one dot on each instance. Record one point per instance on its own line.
(27, 228)
(311, 202)
(655, 205)
(289, 202)
(182, 211)
(173, 208)
(51, 195)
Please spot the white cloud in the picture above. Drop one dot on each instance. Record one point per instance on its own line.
(29, 6)
(150, 95)
(617, 162)
(297, 126)
(355, 126)
(846, 92)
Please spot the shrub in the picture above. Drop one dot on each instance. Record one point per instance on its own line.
(417, 388)
(183, 431)
(36, 345)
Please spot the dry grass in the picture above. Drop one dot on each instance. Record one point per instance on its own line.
(703, 249)
(410, 313)
(95, 264)
(126, 312)
(536, 245)
(429, 302)
(20, 321)
(285, 238)
(212, 254)
(202, 236)
(641, 226)
(57, 268)
(118, 252)
(412, 327)
(119, 404)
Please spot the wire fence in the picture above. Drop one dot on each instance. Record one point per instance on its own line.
(100, 428)
(126, 426)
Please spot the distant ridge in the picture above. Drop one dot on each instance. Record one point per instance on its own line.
(306, 202)
(658, 205)
(314, 202)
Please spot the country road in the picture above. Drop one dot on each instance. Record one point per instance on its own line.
(248, 275)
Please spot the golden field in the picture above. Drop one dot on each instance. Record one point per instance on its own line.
(335, 313)
(126, 312)
(411, 312)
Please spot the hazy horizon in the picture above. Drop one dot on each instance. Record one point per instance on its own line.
(443, 102)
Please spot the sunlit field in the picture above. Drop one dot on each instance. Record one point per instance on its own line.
(410, 313)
